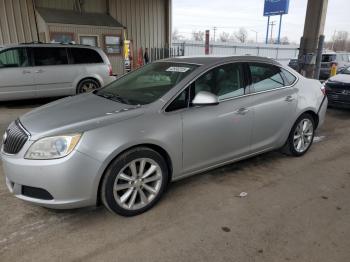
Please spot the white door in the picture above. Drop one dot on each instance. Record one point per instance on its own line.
(16, 75)
(53, 75)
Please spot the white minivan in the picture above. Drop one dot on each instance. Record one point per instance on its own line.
(50, 70)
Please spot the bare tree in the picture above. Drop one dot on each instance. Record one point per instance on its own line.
(198, 35)
(176, 36)
(285, 40)
(224, 37)
(340, 40)
(241, 35)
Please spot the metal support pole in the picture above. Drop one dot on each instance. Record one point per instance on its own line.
(319, 57)
(267, 31)
(279, 31)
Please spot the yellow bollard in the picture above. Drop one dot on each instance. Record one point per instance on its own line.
(333, 69)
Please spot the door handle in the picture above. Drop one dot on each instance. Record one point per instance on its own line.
(242, 111)
(289, 99)
(26, 71)
(39, 71)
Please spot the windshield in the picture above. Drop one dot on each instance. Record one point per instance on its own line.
(328, 58)
(147, 84)
(346, 71)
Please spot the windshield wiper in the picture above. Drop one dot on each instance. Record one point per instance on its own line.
(113, 97)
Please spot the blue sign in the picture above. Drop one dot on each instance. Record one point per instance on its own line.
(276, 7)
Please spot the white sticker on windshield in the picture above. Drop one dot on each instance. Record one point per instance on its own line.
(177, 69)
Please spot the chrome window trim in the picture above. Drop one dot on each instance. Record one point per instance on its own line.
(163, 110)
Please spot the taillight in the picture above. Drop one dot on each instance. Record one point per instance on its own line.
(110, 70)
(323, 88)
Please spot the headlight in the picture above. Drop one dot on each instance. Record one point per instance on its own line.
(53, 147)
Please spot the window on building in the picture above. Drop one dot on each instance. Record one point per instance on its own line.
(46, 56)
(59, 37)
(265, 77)
(88, 40)
(84, 56)
(112, 44)
(14, 58)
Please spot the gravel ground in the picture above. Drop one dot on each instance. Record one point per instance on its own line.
(297, 209)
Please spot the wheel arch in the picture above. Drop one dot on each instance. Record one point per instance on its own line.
(313, 114)
(88, 78)
(152, 146)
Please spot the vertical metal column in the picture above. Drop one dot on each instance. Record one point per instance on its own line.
(267, 31)
(279, 31)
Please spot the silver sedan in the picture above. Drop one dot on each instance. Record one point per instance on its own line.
(124, 143)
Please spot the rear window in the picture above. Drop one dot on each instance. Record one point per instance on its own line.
(85, 56)
(328, 58)
(46, 56)
(289, 77)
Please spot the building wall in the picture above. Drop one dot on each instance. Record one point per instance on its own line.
(17, 22)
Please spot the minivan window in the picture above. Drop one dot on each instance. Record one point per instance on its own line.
(328, 58)
(47, 56)
(265, 77)
(147, 84)
(84, 56)
(16, 57)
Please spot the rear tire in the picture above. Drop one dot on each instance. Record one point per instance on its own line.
(87, 85)
(301, 136)
(134, 182)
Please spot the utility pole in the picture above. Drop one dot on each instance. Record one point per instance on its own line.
(215, 28)
(335, 31)
(272, 24)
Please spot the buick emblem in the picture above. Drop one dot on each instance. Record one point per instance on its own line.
(4, 138)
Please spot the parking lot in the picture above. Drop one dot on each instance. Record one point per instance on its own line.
(297, 209)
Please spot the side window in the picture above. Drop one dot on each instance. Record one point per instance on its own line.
(84, 56)
(46, 56)
(226, 81)
(180, 102)
(14, 58)
(289, 77)
(265, 77)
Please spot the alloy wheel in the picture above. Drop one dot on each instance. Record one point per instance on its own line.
(303, 135)
(137, 184)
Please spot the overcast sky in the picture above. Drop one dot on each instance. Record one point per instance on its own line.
(230, 15)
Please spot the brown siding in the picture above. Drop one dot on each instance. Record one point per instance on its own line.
(17, 21)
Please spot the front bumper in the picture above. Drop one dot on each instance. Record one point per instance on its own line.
(339, 100)
(72, 181)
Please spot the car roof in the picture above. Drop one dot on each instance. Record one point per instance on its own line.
(211, 60)
(48, 45)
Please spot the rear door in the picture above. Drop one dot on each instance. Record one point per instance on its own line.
(53, 75)
(16, 75)
(274, 101)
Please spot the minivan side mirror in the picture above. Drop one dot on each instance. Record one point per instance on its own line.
(204, 98)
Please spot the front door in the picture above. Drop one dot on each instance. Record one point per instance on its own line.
(217, 133)
(16, 75)
(53, 75)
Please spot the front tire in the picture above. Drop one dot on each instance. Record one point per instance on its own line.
(301, 136)
(134, 182)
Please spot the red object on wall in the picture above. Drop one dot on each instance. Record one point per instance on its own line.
(139, 58)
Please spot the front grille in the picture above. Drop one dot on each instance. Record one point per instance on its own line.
(15, 138)
(35, 192)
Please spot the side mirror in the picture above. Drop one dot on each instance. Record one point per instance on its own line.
(204, 98)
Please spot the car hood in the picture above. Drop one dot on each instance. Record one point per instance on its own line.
(76, 114)
(342, 78)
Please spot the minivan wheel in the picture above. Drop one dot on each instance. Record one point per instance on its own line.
(134, 182)
(87, 85)
(301, 136)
